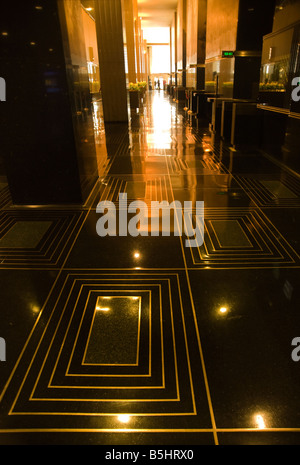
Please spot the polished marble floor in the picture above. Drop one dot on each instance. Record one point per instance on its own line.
(147, 339)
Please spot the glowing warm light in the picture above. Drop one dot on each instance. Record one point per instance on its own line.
(89, 8)
(260, 421)
(136, 255)
(124, 418)
(160, 138)
(4, 34)
(156, 34)
(160, 59)
(35, 308)
(223, 310)
(103, 309)
(134, 298)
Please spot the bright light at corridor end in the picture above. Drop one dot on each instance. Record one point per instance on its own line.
(156, 34)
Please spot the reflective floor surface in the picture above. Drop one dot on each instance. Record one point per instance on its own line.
(147, 339)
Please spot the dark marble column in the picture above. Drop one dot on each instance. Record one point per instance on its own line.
(201, 44)
(47, 138)
(254, 21)
(181, 42)
(130, 42)
(111, 60)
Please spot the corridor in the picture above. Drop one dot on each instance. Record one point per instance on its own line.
(146, 340)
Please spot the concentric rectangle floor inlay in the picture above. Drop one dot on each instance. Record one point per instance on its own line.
(26, 234)
(5, 197)
(240, 238)
(229, 233)
(206, 164)
(279, 190)
(114, 332)
(33, 238)
(77, 360)
(156, 188)
(272, 193)
(67, 370)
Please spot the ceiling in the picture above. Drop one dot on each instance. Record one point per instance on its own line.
(156, 13)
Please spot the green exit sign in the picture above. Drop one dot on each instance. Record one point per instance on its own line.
(227, 54)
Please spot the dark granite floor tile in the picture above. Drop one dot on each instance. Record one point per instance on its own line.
(247, 322)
